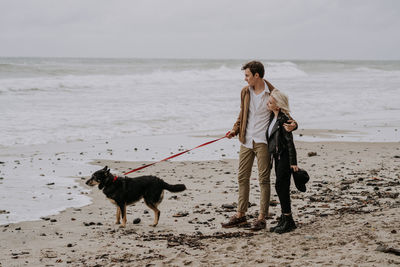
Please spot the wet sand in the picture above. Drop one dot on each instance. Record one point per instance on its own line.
(349, 216)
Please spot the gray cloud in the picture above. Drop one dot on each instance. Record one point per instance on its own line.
(300, 29)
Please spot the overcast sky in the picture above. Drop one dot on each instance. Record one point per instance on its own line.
(268, 29)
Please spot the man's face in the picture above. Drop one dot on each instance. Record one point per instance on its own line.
(249, 77)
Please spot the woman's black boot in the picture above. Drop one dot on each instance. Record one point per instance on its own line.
(287, 225)
(280, 222)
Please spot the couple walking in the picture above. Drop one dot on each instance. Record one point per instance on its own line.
(264, 127)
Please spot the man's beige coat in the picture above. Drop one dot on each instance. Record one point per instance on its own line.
(241, 123)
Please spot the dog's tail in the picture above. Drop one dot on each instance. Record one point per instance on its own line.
(174, 187)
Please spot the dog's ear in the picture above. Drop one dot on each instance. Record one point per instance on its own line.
(108, 171)
(105, 168)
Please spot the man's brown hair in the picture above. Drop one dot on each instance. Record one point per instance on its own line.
(255, 67)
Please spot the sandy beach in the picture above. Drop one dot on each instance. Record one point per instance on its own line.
(349, 216)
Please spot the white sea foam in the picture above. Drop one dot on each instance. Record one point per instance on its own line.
(378, 72)
(285, 69)
(43, 108)
(156, 76)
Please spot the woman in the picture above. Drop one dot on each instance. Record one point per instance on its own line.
(283, 152)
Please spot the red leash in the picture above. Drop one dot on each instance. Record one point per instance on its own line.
(173, 156)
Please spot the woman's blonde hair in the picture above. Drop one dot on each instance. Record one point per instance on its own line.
(282, 101)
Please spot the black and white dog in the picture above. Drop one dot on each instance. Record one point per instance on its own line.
(125, 191)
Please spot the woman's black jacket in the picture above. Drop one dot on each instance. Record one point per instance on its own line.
(281, 141)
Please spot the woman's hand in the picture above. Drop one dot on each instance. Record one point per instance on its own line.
(294, 167)
(290, 125)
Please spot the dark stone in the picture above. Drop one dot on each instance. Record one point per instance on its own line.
(388, 250)
(228, 206)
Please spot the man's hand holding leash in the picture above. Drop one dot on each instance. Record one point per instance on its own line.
(230, 134)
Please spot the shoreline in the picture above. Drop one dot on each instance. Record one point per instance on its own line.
(351, 207)
(55, 175)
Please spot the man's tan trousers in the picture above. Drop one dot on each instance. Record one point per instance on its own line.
(246, 160)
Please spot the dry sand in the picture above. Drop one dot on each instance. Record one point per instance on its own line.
(349, 216)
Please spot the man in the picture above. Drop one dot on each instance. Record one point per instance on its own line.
(251, 125)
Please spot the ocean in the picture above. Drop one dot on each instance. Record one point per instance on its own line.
(47, 100)
(57, 114)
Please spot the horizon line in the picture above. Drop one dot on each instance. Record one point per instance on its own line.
(198, 58)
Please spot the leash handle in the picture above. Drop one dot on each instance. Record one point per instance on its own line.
(171, 157)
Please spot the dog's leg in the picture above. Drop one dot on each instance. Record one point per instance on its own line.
(124, 215)
(157, 213)
(118, 216)
(153, 205)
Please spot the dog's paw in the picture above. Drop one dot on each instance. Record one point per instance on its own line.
(122, 226)
(153, 224)
(117, 222)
